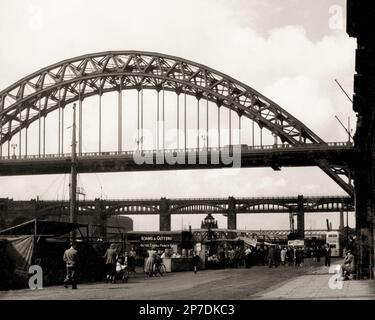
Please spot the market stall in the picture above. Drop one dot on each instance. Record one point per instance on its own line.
(174, 248)
(33, 242)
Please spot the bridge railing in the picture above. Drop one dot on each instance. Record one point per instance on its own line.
(192, 151)
(239, 199)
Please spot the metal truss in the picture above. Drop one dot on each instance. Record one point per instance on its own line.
(54, 87)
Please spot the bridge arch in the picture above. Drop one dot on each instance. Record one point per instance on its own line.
(63, 83)
(259, 207)
(94, 74)
(127, 209)
(324, 204)
(199, 208)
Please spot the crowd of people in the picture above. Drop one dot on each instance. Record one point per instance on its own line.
(267, 255)
(119, 266)
(155, 258)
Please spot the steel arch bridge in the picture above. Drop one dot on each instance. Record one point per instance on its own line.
(101, 209)
(31, 99)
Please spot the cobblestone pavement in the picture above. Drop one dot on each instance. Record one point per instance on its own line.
(309, 282)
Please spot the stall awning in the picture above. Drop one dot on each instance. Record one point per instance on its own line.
(248, 241)
(42, 228)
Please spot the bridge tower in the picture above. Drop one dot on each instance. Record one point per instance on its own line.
(300, 217)
(101, 217)
(164, 215)
(232, 214)
(360, 22)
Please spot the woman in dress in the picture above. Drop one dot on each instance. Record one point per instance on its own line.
(150, 262)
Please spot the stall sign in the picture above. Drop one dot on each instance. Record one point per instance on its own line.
(296, 243)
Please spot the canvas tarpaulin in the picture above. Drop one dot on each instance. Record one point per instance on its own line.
(16, 255)
(42, 227)
(248, 241)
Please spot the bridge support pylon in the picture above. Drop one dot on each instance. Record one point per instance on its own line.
(300, 218)
(101, 218)
(164, 215)
(232, 214)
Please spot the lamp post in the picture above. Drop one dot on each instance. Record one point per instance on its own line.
(14, 146)
(204, 137)
(139, 141)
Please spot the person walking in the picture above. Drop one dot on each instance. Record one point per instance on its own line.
(237, 257)
(289, 256)
(110, 262)
(277, 255)
(271, 257)
(283, 256)
(196, 260)
(248, 255)
(318, 253)
(301, 256)
(232, 255)
(131, 261)
(327, 255)
(298, 254)
(295, 256)
(348, 268)
(71, 260)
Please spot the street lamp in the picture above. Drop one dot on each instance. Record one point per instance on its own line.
(139, 141)
(204, 137)
(14, 146)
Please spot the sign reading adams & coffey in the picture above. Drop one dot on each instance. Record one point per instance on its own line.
(156, 238)
(147, 240)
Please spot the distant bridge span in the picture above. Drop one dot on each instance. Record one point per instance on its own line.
(165, 208)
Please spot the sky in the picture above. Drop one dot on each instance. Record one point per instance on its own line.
(291, 51)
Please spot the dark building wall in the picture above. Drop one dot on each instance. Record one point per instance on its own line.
(15, 212)
(360, 24)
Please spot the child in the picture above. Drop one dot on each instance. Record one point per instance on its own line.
(121, 270)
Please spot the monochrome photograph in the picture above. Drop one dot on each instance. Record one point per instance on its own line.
(187, 155)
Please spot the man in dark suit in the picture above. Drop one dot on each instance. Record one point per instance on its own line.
(327, 254)
(271, 257)
(349, 265)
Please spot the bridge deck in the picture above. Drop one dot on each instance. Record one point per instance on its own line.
(202, 206)
(276, 156)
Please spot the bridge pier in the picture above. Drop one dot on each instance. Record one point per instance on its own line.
(3, 212)
(291, 221)
(100, 217)
(300, 218)
(164, 215)
(232, 214)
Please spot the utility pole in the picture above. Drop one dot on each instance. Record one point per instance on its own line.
(73, 176)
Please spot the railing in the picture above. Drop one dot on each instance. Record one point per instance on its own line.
(193, 151)
(156, 201)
